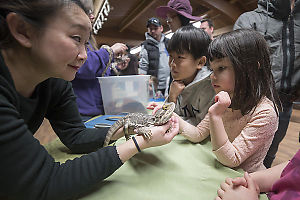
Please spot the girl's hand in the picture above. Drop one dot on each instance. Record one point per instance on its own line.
(152, 105)
(176, 88)
(234, 189)
(222, 102)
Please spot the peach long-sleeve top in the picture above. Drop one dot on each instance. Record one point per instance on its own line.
(250, 136)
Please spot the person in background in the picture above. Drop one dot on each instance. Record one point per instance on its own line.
(208, 26)
(280, 182)
(49, 39)
(243, 120)
(86, 85)
(178, 13)
(120, 63)
(278, 21)
(133, 65)
(153, 55)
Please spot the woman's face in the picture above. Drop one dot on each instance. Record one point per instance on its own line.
(60, 50)
(173, 21)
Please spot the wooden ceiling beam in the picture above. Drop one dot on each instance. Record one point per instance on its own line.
(226, 8)
(97, 7)
(112, 36)
(112, 40)
(222, 30)
(134, 13)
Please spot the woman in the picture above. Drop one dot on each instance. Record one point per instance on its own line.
(43, 45)
(178, 13)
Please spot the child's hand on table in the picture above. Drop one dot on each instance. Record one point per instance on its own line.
(241, 188)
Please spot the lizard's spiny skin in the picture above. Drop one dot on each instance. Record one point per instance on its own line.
(141, 122)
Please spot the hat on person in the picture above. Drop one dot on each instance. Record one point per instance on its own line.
(182, 7)
(153, 21)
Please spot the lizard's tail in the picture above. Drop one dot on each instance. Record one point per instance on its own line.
(112, 130)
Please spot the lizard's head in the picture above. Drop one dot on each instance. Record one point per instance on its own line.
(165, 113)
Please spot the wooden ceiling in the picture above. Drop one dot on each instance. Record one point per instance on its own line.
(126, 21)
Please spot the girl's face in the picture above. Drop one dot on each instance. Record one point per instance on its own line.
(173, 21)
(223, 77)
(184, 67)
(60, 50)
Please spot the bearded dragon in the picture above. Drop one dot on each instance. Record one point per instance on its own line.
(141, 123)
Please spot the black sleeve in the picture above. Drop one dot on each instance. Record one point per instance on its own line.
(65, 120)
(27, 171)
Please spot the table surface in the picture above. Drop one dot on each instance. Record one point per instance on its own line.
(179, 170)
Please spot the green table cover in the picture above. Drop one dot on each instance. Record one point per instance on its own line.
(179, 170)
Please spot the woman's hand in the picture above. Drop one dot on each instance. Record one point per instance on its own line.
(161, 134)
(222, 102)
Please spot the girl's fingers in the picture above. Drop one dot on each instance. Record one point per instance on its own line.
(224, 186)
(220, 193)
(250, 181)
(228, 181)
(240, 181)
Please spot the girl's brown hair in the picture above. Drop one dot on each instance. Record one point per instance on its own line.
(249, 54)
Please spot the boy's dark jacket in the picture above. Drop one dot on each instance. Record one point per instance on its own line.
(281, 28)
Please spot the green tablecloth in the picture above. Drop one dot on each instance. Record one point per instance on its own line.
(179, 170)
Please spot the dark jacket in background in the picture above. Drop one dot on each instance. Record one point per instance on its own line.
(281, 29)
(153, 55)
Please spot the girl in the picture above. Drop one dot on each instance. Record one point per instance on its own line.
(43, 44)
(244, 118)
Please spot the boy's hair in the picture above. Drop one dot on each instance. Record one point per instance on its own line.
(189, 39)
(248, 52)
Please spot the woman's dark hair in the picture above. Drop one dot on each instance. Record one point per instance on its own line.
(189, 39)
(183, 20)
(35, 12)
(248, 52)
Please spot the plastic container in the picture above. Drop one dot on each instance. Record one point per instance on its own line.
(125, 94)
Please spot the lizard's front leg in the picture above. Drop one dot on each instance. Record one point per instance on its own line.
(126, 130)
(146, 131)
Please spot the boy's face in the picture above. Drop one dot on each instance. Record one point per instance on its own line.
(184, 67)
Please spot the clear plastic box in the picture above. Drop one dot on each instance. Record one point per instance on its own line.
(125, 94)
